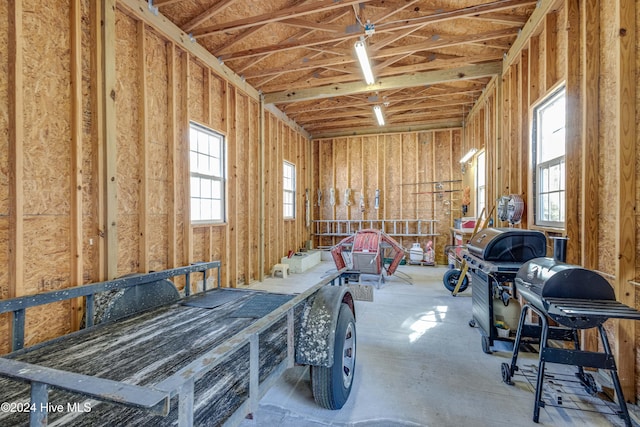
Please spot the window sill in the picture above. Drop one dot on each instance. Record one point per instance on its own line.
(208, 224)
(548, 229)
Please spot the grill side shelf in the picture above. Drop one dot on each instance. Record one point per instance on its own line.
(593, 308)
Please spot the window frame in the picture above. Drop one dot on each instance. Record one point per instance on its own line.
(544, 167)
(288, 202)
(481, 190)
(219, 180)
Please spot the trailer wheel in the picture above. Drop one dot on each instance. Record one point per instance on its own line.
(331, 386)
(450, 280)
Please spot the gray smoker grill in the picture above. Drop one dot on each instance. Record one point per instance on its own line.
(575, 298)
(494, 256)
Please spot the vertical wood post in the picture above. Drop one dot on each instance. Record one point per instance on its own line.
(590, 206)
(16, 151)
(108, 64)
(625, 248)
(76, 161)
(261, 190)
(143, 133)
(172, 167)
(574, 132)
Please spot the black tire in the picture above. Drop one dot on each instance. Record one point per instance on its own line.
(450, 280)
(486, 346)
(506, 373)
(331, 386)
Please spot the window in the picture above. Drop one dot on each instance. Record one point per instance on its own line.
(289, 185)
(207, 167)
(480, 183)
(548, 154)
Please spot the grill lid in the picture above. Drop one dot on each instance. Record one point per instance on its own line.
(508, 245)
(548, 284)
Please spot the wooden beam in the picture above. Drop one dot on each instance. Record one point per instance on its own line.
(98, 104)
(420, 79)
(261, 189)
(211, 11)
(551, 50)
(451, 124)
(524, 155)
(280, 15)
(173, 132)
(110, 133)
(348, 58)
(76, 244)
(534, 69)
(590, 148)
(470, 11)
(232, 190)
(589, 87)
(186, 187)
(143, 133)
(16, 150)
(574, 134)
(530, 28)
(310, 80)
(625, 210)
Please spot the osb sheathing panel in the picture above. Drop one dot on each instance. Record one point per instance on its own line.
(200, 242)
(355, 178)
(196, 92)
(128, 244)
(217, 100)
(426, 174)
(341, 165)
(254, 191)
(158, 238)
(240, 171)
(218, 237)
(46, 264)
(326, 170)
(47, 162)
(157, 144)
(369, 175)
(393, 176)
(129, 147)
(47, 122)
(409, 173)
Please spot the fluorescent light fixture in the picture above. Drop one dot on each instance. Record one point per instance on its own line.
(378, 112)
(468, 156)
(361, 53)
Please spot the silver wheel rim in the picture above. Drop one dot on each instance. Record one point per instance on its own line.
(348, 356)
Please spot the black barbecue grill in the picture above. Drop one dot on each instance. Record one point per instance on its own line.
(575, 298)
(494, 256)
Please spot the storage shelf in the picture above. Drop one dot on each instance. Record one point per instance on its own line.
(393, 227)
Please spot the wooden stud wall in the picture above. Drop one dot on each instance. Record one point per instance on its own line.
(590, 47)
(400, 166)
(94, 157)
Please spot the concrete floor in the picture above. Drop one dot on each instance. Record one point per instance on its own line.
(419, 363)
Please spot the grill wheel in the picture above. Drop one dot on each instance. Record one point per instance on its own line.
(450, 280)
